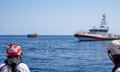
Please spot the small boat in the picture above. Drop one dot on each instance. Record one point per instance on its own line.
(32, 35)
(94, 34)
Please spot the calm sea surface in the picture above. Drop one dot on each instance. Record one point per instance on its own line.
(60, 53)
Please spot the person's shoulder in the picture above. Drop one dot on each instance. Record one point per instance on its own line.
(118, 69)
(23, 67)
(2, 65)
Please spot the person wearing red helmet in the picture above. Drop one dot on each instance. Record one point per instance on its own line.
(14, 63)
(114, 54)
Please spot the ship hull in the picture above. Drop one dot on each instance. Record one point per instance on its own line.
(83, 37)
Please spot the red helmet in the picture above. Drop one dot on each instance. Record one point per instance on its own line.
(14, 50)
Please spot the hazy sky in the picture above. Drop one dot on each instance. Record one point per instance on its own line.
(56, 17)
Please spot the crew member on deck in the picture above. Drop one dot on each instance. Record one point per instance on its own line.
(114, 54)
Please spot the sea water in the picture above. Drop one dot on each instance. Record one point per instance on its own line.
(59, 53)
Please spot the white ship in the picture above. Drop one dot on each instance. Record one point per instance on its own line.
(97, 33)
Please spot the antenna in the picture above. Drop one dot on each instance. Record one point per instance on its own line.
(104, 20)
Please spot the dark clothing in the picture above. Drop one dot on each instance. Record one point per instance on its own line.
(13, 62)
(113, 70)
(115, 67)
